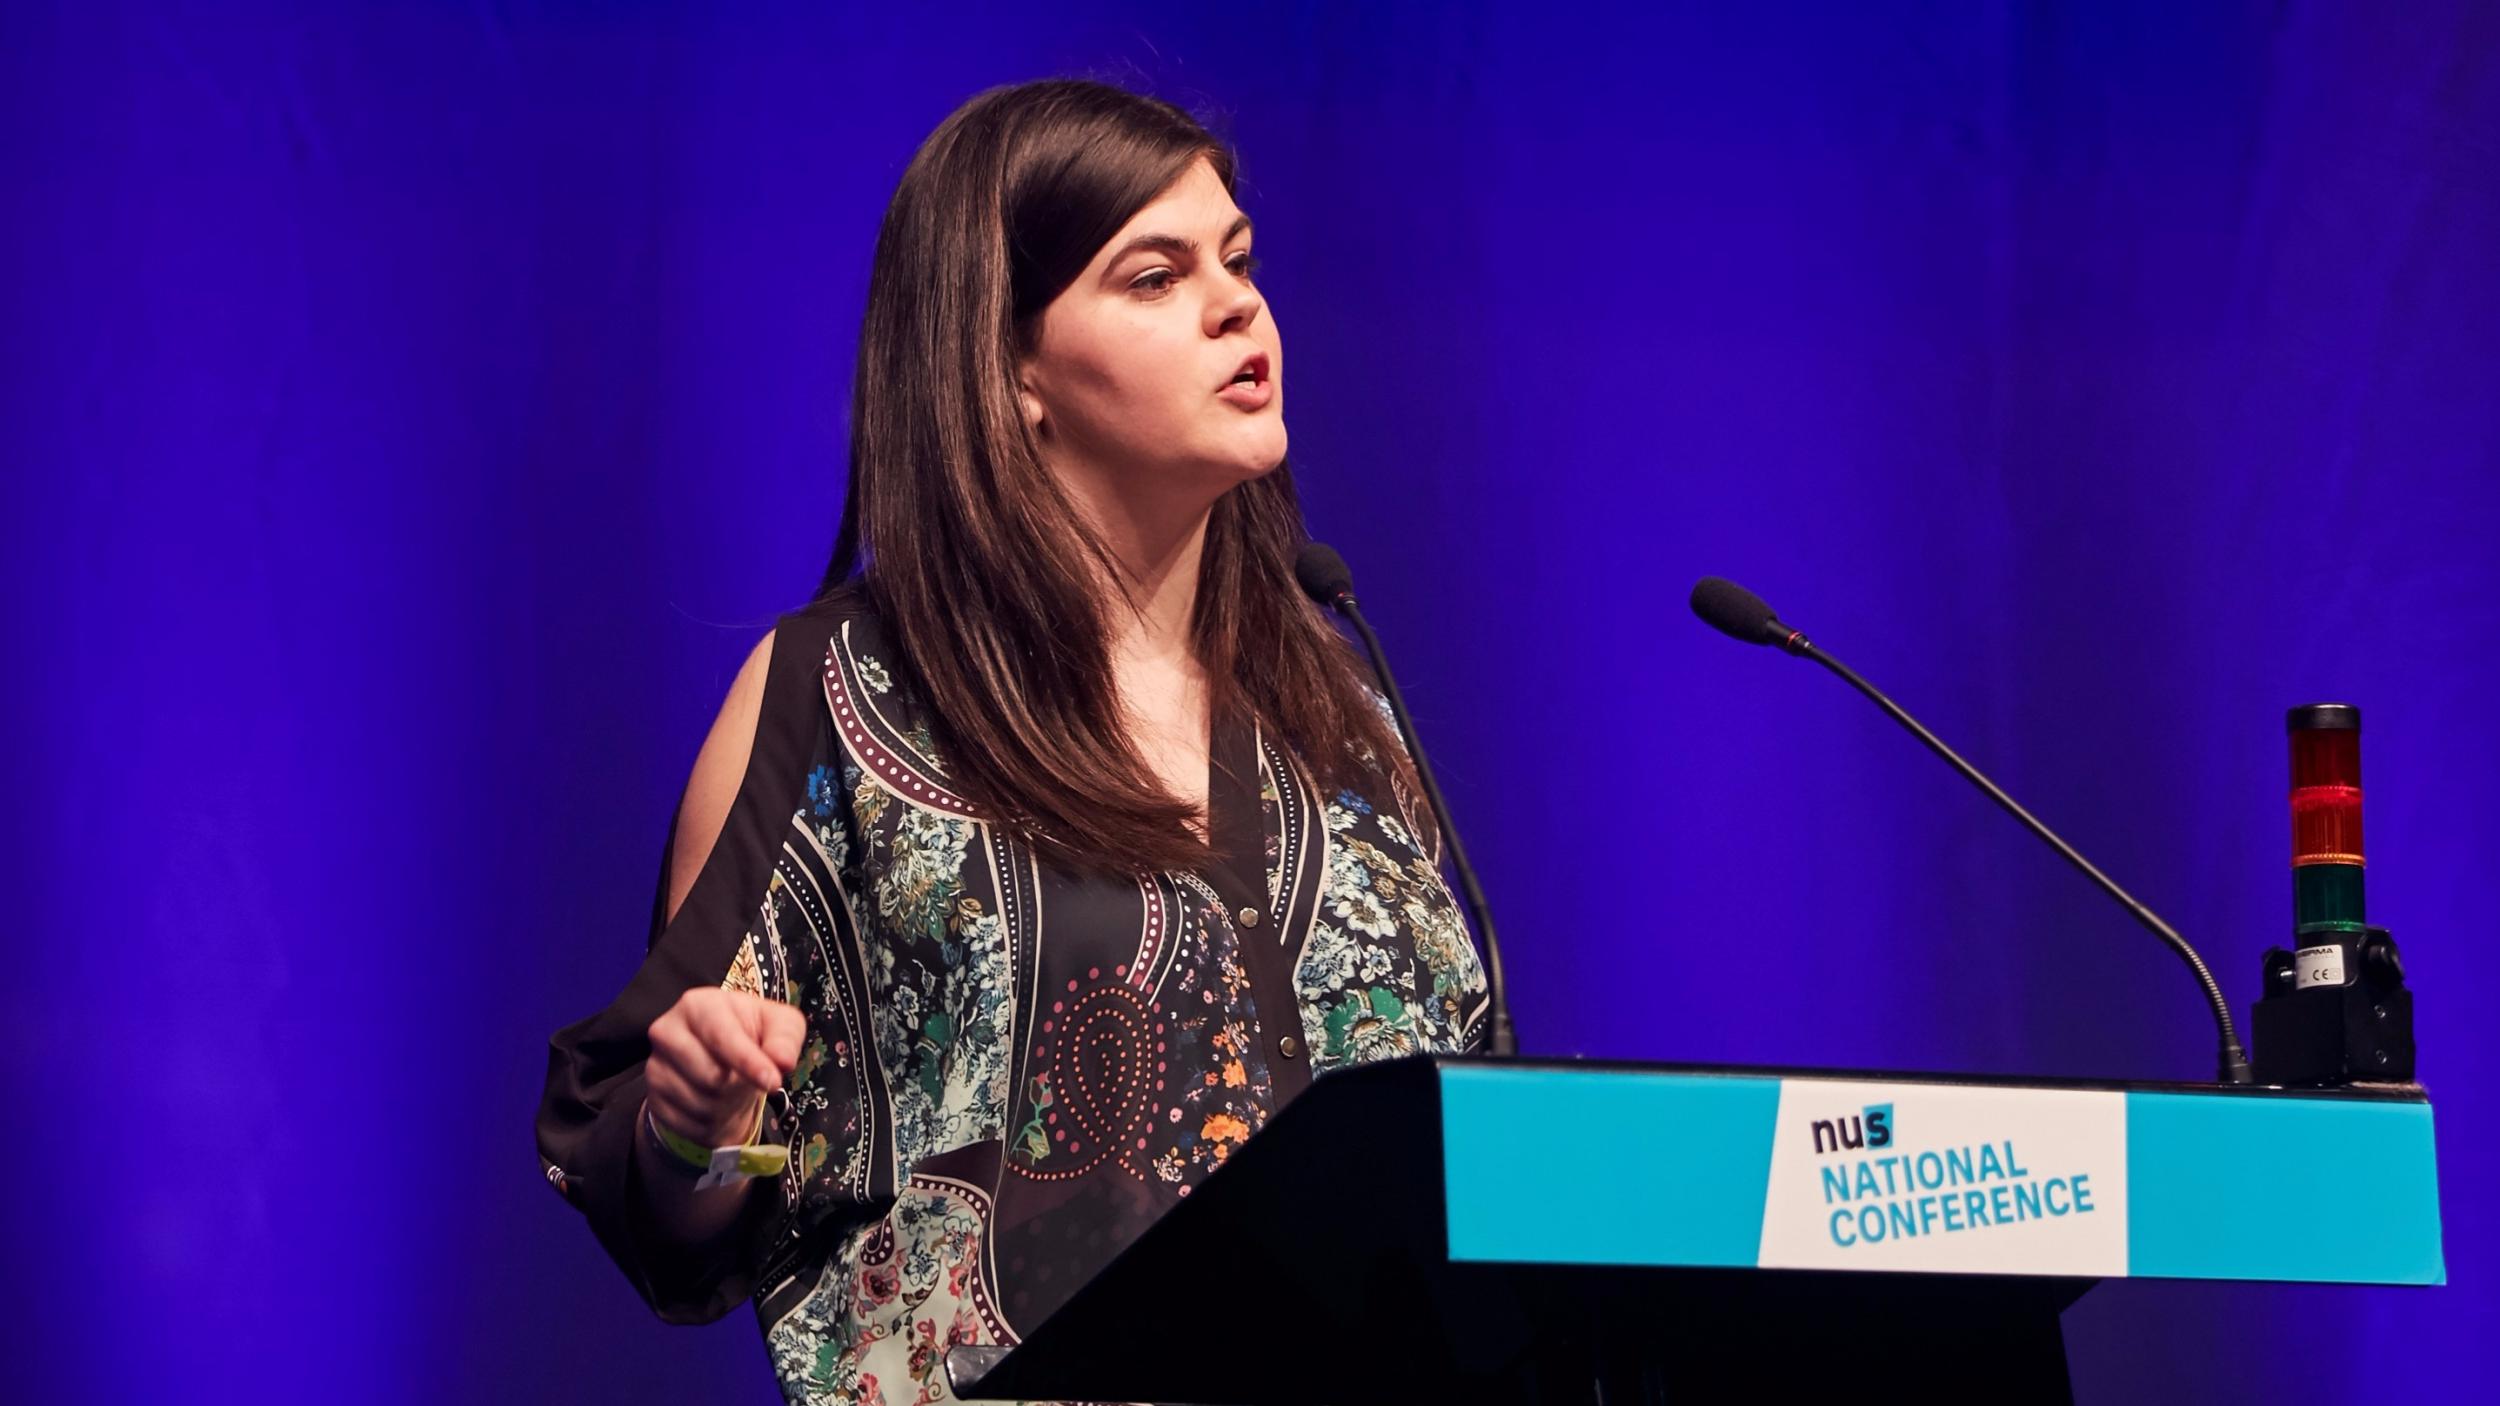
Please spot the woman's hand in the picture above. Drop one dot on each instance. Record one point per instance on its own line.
(714, 1055)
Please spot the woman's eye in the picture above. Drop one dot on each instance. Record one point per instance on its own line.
(1244, 265)
(1154, 281)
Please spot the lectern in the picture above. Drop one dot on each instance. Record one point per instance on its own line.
(1452, 1230)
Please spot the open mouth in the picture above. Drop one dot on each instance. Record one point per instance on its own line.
(1253, 372)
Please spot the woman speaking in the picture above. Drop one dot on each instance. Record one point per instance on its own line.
(1058, 842)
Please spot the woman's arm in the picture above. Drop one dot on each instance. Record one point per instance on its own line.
(678, 1043)
(714, 1053)
(719, 769)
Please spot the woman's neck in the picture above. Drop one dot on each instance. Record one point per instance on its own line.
(1149, 615)
(1156, 546)
(1152, 629)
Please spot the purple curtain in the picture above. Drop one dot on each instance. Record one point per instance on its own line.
(414, 410)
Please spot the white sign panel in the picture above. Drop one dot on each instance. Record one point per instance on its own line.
(1947, 1178)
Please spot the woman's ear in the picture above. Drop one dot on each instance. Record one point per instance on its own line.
(1029, 402)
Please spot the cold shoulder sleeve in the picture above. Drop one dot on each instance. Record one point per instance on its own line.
(588, 1114)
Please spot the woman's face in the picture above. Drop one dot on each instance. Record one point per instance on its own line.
(1158, 372)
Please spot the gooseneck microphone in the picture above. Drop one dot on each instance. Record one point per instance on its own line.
(1325, 578)
(1742, 615)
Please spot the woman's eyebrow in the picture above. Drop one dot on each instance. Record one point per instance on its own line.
(1175, 244)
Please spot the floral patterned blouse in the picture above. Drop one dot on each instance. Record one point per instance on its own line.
(1010, 1071)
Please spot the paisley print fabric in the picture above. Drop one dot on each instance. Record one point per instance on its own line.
(1010, 1070)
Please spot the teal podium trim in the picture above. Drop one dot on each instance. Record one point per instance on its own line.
(2317, 1190)
(1627, 1166)
(1551, 1166)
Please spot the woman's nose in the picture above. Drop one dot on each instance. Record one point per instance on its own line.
(1233, 312)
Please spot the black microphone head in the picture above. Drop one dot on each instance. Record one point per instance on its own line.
(1736, 612)
(1323, 574)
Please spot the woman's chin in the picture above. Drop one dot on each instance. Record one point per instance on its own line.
(1257, 455)
(1219, 463)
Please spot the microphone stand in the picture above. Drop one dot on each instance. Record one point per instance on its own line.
(1502, 1040)
(2234, 1056)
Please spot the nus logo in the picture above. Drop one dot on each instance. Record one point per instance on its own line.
(1871, 1127)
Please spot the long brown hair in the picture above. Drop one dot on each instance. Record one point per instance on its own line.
(980, 565)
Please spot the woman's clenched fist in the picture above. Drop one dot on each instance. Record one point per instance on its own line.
(714, 1055)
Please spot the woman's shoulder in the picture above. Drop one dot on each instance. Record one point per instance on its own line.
(879, 718)
(823, 617)
(777, 704)
(840, 640)
(838, 632)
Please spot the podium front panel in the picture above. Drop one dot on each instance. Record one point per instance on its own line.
(1549, 1163)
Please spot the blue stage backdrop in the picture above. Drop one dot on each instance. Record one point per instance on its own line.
(413, 412)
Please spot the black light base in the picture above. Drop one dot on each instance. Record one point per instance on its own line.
(2360, 1032)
